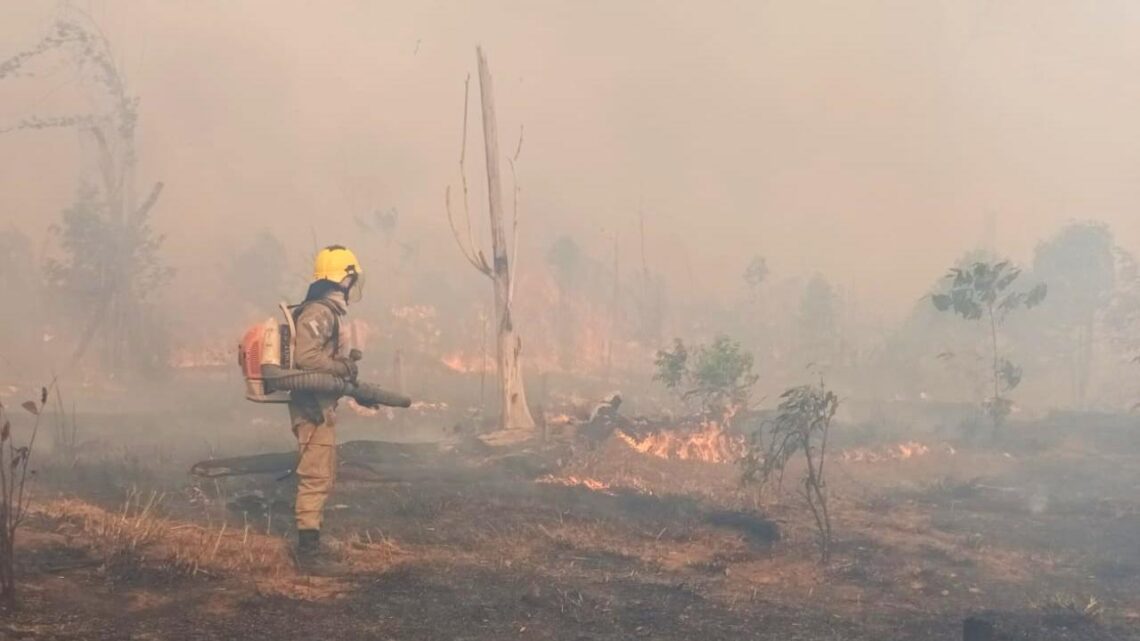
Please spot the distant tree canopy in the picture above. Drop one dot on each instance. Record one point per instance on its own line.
(756, 273)
(20, 280)
(566, 261)
(1122, 317)
(817, 320)
(382, 221)
(19, 273)
(1079, 263)
(817, 307)
(97, 252)
(1080, 266)
(103, 260)
(257, 273)
(929, 350)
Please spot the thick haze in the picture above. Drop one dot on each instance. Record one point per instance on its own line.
(869, 141)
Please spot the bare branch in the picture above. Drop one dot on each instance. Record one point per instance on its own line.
(463, 164)
(477, 260)
(55, 122)
(518, 147)
(515, 226)
(63, 34)
(473, 255)
(106, 163)
(140, 214)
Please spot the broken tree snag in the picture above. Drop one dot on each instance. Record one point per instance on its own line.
(515, 414)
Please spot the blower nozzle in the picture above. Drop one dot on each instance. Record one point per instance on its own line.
(366, 394)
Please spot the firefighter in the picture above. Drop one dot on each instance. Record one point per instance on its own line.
(338, 279)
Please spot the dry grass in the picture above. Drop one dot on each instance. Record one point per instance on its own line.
(1069, 610)
(137, 538)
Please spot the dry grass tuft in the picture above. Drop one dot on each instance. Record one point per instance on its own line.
(136, 538)
(1068, 609)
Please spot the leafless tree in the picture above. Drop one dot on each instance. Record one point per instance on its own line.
(111, 263)
(515, 413)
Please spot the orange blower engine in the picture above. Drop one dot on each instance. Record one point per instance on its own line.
(267, 347)
(265, 357)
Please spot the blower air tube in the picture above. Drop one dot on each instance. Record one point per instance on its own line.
(366, 394)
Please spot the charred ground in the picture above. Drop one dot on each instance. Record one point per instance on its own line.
(591, 539)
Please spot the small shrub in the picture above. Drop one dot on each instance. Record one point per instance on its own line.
(983, 292)
(14, 498)
(802, 424)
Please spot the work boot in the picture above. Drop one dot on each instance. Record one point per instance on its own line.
(308, 542)
(313, 560)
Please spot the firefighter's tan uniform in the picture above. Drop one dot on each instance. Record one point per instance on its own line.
(313, 416)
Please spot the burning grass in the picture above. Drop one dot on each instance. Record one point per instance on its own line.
(591, 484)
(710, 443)
(466, 363)
(894, 452)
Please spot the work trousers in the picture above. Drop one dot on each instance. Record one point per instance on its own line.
(316, 467)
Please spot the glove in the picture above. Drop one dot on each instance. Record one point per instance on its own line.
(355, 355)
(347, 370)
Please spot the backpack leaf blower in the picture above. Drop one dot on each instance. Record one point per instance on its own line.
(265, 358)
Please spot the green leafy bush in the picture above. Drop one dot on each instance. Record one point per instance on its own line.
(717, 376)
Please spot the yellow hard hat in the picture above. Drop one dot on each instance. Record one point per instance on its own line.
(336, 263)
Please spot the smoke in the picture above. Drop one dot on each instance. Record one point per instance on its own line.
(871, 143)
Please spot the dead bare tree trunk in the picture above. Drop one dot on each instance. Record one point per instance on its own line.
(515, 413)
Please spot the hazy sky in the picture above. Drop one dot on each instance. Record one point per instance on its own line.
(868, 140)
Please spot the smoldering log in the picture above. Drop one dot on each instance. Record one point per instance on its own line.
(389, 462)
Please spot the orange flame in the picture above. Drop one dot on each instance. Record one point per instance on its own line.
(711, 444)
(463, 363)
(573, 481)
(896, 452)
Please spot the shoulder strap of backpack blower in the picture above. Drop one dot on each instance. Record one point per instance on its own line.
(297, 309)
